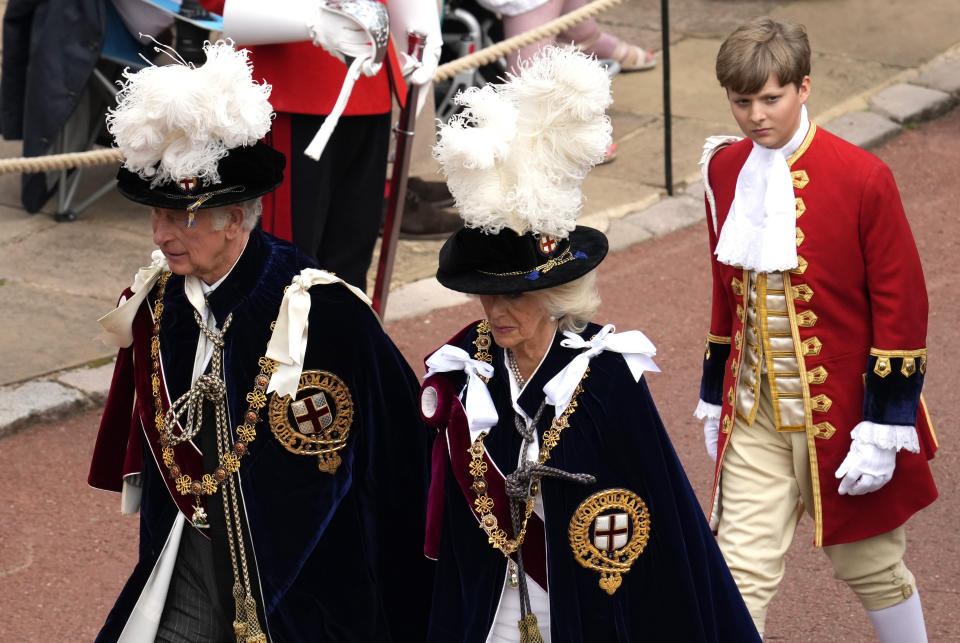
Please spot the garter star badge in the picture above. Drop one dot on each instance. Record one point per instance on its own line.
(608, 531)
(318, 421)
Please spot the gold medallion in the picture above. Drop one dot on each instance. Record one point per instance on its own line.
(608, 531)
(318, 421)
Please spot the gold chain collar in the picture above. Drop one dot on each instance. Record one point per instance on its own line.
(482, 502)
(246, 432)
(246, 624)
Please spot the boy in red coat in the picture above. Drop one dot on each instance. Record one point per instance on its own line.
(812, 378)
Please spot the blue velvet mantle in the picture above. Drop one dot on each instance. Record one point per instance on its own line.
(337, 557)
(678, 589)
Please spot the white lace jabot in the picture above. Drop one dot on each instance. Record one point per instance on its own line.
(760, 230)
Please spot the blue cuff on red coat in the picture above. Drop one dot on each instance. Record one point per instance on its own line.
(892, 388)
(714, 367)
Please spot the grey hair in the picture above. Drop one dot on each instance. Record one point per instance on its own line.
(572, 304)
(252, 210)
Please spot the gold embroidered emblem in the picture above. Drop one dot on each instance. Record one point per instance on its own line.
(802, 292)
(800, 237)
(737, 286)
(817, 375)
(812, 346)
(800, 179)
(821, 403)
(318, 421)
(806, 319)
(823, 430)
(608, 531)
(801, 207)
(801, 266)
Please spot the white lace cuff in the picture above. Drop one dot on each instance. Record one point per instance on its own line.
(887, 436)
(706, 410)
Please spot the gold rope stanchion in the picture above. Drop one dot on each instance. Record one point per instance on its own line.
(32, 164)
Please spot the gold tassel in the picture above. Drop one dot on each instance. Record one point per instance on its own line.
(529, 632)
(254, 633)
(240, 617)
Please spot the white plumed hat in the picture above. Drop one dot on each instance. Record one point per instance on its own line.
(515, 159)
(517, 154)
(190, 131)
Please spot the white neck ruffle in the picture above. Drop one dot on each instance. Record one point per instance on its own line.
(760, 230)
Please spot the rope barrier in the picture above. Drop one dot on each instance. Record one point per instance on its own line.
(485, 56)
(31, 164)
(488, 54)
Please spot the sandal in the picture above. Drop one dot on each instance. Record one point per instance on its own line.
(609, 154)
(629, 57)
(633, 58)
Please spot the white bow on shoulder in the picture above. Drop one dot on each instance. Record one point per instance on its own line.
(288, 344)
(481, 412)
(118, 323)
(636, 348)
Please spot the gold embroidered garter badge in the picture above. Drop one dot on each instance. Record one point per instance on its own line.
(318, 421)
(608, 531)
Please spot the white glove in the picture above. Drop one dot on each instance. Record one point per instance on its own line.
(422, 16)
(711, 436)
(873, 456)
(710, 414)
(340, 36)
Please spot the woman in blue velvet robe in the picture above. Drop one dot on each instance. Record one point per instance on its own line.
(619, 551)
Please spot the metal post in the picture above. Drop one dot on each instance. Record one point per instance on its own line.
(667, 124)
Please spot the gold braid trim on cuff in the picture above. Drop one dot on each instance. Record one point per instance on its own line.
(919, 352)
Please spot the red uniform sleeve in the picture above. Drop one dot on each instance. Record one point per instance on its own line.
(898, 304)
(718, 339)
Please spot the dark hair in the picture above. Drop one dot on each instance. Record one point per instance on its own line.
(759, 48)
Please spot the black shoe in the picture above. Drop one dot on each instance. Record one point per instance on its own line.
(423, 220)
(435, 192)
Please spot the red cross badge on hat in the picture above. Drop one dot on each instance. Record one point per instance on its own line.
(188, 185)
(547, 245)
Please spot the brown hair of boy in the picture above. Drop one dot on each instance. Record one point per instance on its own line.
(759, 48)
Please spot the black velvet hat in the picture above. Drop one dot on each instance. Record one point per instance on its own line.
(191, 136)
(474, 262)
(515, 158)
(245, 173)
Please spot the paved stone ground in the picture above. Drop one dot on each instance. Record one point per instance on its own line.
(65, 551)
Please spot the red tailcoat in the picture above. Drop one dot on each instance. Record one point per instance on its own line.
(858, 314)
(307, 80)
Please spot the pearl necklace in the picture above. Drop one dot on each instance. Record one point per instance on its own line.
(515, 369)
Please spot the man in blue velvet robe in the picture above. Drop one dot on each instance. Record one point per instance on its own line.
(265, 427)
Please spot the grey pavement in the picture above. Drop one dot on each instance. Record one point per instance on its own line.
(877, 67)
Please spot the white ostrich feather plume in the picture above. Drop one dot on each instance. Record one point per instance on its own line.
(518, 153)
(176, 121)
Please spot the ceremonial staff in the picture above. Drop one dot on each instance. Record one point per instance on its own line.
(398, 182)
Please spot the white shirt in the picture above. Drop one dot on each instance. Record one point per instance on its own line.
(504, 628)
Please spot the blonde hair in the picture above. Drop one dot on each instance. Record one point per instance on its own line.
(573, 304)
(759, 48)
